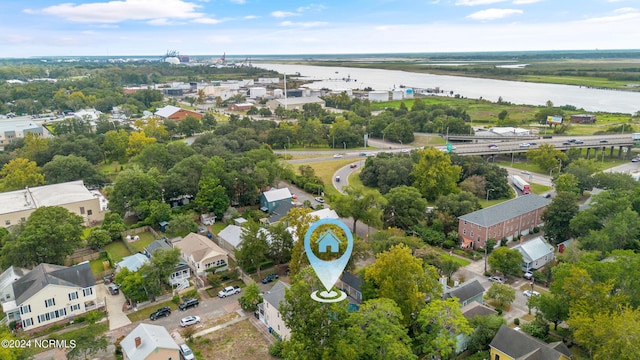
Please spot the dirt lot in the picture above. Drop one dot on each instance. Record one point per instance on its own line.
(240, 341)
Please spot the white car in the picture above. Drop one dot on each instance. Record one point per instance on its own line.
(525, 145)
(337, 156)
(319, 199)
(186, 352)
(189, 320)
(530, 293)
(496, 279)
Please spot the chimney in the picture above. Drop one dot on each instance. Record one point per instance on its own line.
(138, 342)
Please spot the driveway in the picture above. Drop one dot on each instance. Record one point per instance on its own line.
(117, 318)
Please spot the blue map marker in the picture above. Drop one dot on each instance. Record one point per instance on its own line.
(328, 271)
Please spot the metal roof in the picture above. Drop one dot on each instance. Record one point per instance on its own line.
(277, 194)
(506, 210)
(534, 249)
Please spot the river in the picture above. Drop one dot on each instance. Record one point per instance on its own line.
(516, 92)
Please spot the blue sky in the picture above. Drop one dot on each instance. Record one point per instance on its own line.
(237, 27)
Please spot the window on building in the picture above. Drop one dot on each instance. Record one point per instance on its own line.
(25, 309)
(7, 222)
(89, 212)
(472, 234)
(87, 291)
(73, 295)
(27, 322)
(81, 210)
(75, 307)
(464, 231)
(497, 357)
(49, 302)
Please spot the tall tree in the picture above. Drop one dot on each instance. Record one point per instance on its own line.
(554, 308)
(88, 343)
(486, 328)
(115, 144)
(132, 187)
(398, 275)
(547, 157)
(299, 220)
(157, 271)
(20, 173)
(70, 168)
(253, 248)
(212, 196)
(501, 293)
(182, 224)
(441, 321)
(557, 217)
(405, 207)
(137, 141)
(50, 234)
(434, 175)
(360, 204)
(98, 238)
(505, 261)
(281, 244)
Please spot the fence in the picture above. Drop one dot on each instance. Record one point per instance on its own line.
(139, 230)
(80, 255)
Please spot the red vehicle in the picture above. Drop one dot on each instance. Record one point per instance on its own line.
(521, 184)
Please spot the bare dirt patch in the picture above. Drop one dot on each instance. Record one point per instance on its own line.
(240, 341)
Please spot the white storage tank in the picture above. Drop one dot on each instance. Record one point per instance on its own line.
(397, 95)
(257, 92)
(408, 93)
(378, 95)
(277, 93)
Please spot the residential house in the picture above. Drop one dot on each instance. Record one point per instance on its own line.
(508, 219)
(470, 311)
(132, 262)
(181, 272)
(7, 278)
(535, 253)
(202, 254)
(269, 310)
(352, 285)
(511, 344)
(14, 129)
(175, 113)
(16, 206)
(51, 294)
(230, 238)
(279, 212)
(466, 293)
(149, 342)
(270, 199)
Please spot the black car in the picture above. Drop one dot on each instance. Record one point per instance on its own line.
(269, 278)
(162, 312)
(188, 303)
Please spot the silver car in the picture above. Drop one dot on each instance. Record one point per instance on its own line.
(189, 320)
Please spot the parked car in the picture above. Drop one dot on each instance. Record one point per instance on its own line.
(635, 159)
(162, 312)
(189, 320)
(496, 279)
(269, 278)
(113, 289)
(528, 275)
(228, 291)
(530, 293)
(188, 303)
(319, 199)
(109, 278)
(186, 353)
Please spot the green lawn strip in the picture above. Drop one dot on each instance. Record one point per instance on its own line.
(217, 227)
(143, 314)
(444, 255)
(539, 189)
(146, 238)
(325, 170)
(96, 265)
(427, 140)
(117, 250)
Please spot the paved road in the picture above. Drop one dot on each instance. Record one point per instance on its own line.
(344, 173)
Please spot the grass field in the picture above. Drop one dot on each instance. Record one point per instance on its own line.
(143, 314)
(325, 170)
(117, 250)
(146, 238)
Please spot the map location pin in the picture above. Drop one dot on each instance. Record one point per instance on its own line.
(328, 271)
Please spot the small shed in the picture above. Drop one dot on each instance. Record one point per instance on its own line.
(163, 226)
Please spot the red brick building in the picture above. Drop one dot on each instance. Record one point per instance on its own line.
(508, 219)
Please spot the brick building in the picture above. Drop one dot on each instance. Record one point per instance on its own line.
(508, 219)
(583, 119)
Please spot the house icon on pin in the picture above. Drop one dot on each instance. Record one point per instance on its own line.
(328, 241)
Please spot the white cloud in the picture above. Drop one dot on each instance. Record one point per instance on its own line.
(525, 2)
(160, 22)
(218, 39)
(250, 17)
(282, 14)
(241, 2)
(477, 2)
(493, 14)
(625, 10)
(304, 24)
(206, 20)
(311, 7)
(125, 10)
(614, 18)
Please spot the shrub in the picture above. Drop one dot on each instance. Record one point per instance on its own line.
(191, 294)
(516, 321)
(229, 275)
(214, 280)
(449, 244)
(176, 299)
(276, 349)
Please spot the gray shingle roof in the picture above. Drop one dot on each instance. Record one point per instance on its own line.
(280, 211)
(352, 280)
(519, 345)
(474, 309)
(465, 291)
(157, 245)
(506, 210)
(45, 274)
(276, 294)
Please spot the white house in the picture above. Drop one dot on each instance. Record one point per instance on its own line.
(181, 272)
(269, 310)
(8, 277)
(49, 294)
(149, 342)
(231, 237)
(201, 253)
(535, 253)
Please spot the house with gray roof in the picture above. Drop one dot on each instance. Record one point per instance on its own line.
(351, 284)
(269, 310)
(7, 278)
(535, 253)
(269, 200)
(147, 342)
(508, 219)
(51, 294)
(181, 273)
(230, 238)
(511, 344)
(132, 262)
(466, 292)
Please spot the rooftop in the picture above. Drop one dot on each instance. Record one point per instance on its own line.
(46, 195)
(47, 274)
(519, 345)
(276, 295)
(300, 100)
(277, 194)
(506, 210)
(465, 291)
(199, 247)
(167, 111)
(151, 338)
(534, 249)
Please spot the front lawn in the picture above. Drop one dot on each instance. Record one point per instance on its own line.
(143, 314)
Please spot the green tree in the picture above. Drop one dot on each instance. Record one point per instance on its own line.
(157, 271)
(133, 186)
(132, 284)
(98, 238)
(88, 344)
(137, 141)
(501, 294)
(376, 332)
(113, 224)
(190, 125)
(547, 157)
(567, 183)
(20, 173)
(441, 321)
(557, 217)
(281, 244)
(115, 144)
(182, 224)
(398, 275)
(8, 352)
(153, 212)
(212, 196)
(554, 308)
(50, 234)
(405, 207)
(505, 261)
(486, 328)
(434, 175)
(383, 240)
(70, 168)
(253, 248)
(250, 297)
(361, 205)
(299, 220)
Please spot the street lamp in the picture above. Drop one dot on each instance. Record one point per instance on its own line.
(488, 191)
(345, 145)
